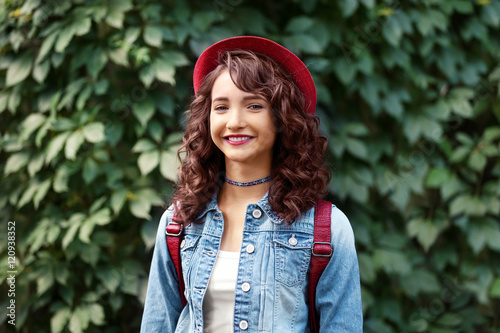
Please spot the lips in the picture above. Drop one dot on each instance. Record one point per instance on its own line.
(238, 139)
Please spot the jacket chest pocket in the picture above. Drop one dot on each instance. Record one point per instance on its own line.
(292, 257)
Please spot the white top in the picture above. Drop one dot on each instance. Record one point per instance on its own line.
(218, 304)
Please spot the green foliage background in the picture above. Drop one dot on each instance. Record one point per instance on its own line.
(92, 94)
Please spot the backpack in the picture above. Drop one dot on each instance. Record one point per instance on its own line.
(321, 252)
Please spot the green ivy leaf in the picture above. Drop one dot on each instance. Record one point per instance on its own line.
(118, 199)
(491, 134)
(86, 230)
(82, 26)
(391, 261)
(419, 281)
(303, 42)
(19, 70)
(148, 233)
(477, 161)
(153, 36)
(392, 31)
(140, 209)
(437, 177)
(155, 130)
(116, 11)
(203, 19)
(147, 161)
(147, 75)
(114, 132)
(119, 56)
(35, 163)
(67, 293)
(73, 145)
(477, 238)
(44, 282)
(368, 3)
(41, 192)
(59, 320)
(424, 24)
(101, 86)
(102, 216)
(425, 231)
(64, 38)
(4, 100)
(94, 132)
(47, 44)
(90, 170)
(356, 147)
(61, 179)
(366, 269)
(175, 58)
(495, 288)
(393, 105)
(96, 62)
(109, 277)
(16, 162)
(79, 320)
(70, 233)
(55, 146)
(90, 253)
(143, 145)
(131, 35)
(96, 313)
(463, 7)
(169, 165)
(144, 110)
(14, 99)
(299, 24)
(348, 7)
(460, 154)
(41, 70)
(165, 72)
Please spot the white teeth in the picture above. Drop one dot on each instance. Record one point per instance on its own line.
(239, 138)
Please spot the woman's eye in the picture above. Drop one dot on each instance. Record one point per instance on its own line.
(255, 107)
(220, 108)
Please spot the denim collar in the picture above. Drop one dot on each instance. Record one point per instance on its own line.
(263, 204)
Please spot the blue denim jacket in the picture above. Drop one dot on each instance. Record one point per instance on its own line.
(274, 260)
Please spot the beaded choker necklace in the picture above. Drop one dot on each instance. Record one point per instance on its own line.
(252, 183)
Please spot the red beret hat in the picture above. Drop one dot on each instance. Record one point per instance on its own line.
(208, 61)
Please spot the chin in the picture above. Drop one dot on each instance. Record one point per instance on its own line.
(239, 158)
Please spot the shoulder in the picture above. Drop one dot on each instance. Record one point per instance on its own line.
(166, 217)
(341, 230)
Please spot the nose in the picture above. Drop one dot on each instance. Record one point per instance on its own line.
(236, 119)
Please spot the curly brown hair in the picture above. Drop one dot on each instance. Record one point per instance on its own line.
(299, 171)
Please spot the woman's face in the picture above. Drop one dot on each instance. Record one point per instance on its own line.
(241, 123)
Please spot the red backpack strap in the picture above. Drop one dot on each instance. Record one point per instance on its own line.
(322, 250)
(174, 235)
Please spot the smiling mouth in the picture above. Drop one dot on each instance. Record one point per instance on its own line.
(238, 138)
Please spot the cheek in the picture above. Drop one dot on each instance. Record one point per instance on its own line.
(271, 129)
(272, 139)
(214, 130)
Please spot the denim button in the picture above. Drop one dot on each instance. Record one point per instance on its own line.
(245, 286)
(183, 243)
(250, 248)
(292, 241)
(257, 213)
(243, 324)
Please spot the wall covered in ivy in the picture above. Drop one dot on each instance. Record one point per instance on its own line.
(92, 95)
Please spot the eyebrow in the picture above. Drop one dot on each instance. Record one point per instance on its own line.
(222, 98)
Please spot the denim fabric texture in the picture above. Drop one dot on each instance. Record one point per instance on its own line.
(272, 284)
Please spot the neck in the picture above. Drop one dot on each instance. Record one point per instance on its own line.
(241, 173)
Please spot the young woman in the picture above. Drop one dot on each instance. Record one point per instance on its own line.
(253, 171)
